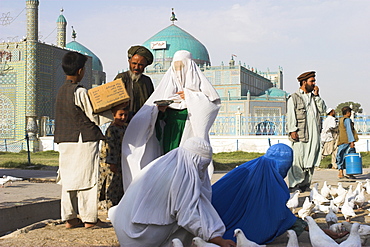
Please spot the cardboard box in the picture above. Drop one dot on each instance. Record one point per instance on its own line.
(108, 95)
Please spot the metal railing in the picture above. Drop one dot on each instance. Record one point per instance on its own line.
(250, 125)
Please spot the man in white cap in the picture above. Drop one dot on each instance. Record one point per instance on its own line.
(329, 135)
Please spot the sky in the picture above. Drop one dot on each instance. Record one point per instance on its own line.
(330, 37)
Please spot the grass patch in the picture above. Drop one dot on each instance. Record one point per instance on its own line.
(19, 160)
(226, 161)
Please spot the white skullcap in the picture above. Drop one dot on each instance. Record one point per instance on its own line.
(198, 146)
(329, 110)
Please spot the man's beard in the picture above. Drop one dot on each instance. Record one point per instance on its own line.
(134, 77)
(309, 88)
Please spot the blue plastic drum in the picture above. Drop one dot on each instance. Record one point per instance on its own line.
(353, 164)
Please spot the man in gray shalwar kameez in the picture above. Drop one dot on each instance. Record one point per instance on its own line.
(304, 108)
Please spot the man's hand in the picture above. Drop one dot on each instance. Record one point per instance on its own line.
(162, 108)
(352, 144)
(316, 90)
(222, 242)
(113, 168)
(294, 135)
(181, 93)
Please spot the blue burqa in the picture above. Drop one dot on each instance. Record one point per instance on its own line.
(253, 196)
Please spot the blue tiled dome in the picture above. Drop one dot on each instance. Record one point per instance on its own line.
(61, 19)
(178, 39)
(276, 92)
(96, 63)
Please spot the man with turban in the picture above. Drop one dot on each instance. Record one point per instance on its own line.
(304, 108)
(138, 86)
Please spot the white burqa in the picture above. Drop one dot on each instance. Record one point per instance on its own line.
(140, 145)
(169, 198)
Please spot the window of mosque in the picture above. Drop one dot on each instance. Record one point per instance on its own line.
(266, 111)
(7, 116)
(217, 77)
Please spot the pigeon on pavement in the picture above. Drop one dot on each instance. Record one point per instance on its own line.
(293, 202)
(177, 243)
(354, 239)
(318, 237)
(293, 240)
(242, 241)
(197, 241)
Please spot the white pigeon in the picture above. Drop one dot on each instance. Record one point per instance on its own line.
(331, 218)
(13, 178)
(358, 187)
(339, 200)
(325, 190)
(293, 240)
(197, 241)
(306, 208)
(4, 181)
(177, 243)
(335, 208)
(347, 211)
(293, 202)
(353, 239)
(351, 194)
(242, 241)
(321, 209)
(318, 238)
(333, 191)
(316, 196)
(367, 186)
(338, 227)
(360, 199)
(314, 186)
(364, 230)
(340, 189)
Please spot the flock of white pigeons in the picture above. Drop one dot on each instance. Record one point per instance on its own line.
(329, 200)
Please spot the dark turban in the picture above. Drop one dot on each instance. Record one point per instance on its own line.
(306, 76)
(142, 51)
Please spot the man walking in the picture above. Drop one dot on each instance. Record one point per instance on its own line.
(329, 137)
(303, 125)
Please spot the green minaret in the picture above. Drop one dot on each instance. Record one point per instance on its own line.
(31, 67)
(32, 20)
(61, 27)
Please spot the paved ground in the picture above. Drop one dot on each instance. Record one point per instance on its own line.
(39, 186)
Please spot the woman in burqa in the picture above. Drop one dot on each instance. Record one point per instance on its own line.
(253, 197)
(190, 115)
(170, 198)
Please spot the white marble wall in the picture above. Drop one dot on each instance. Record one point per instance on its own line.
(232, 143)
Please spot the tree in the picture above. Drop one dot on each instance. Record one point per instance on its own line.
(356, 107)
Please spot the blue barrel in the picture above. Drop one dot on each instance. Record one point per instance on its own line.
(353, 164)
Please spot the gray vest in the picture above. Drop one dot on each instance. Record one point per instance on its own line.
(301, 116)
(70, 120)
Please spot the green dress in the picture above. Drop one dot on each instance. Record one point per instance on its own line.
(172, 131)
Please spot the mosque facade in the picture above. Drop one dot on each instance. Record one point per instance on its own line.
(30, 76)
